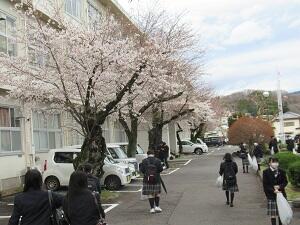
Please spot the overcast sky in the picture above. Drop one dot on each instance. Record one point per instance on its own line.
(247, 41)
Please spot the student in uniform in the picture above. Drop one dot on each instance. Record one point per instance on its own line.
(151, 168)
(274, 181)
(244, 156)
(32, 205)
(258, 153)
(229, 169)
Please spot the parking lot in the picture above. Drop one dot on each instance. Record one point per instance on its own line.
(6, 203)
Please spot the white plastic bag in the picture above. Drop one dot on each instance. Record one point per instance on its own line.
(254, 164)
(143, 197)
(219, 181)
(272, 151)
(284, 209)
(250, 160)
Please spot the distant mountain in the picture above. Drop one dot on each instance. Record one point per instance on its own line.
(294, 93)
(231, 101)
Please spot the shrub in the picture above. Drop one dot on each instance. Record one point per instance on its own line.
(286, 159)
(294, 173)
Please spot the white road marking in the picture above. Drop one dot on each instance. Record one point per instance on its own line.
(173, 171)
(10, 204)
(4, 217)
(112, 206)
(211, 152)
(187, 162)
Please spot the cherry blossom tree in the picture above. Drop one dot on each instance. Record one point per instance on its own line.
(168, 80)
(85, 72)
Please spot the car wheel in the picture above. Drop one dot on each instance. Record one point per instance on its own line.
(52, 183)
(198, 151)
(112, 183)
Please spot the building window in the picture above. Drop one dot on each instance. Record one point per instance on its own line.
(47, 133)
(10, 132)
(8, 35)
(94, 17)
(73, 7)
(289, 124)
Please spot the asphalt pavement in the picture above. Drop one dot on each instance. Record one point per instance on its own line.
(192, 198)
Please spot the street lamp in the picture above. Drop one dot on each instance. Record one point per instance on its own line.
(266, 94)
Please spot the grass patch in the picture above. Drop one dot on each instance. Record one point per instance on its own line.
(107, 196)
(292, 192)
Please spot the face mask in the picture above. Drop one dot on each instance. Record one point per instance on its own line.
(275, 165)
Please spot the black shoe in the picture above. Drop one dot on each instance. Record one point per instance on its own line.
(227, 203)
(244, 172)
(231, 204)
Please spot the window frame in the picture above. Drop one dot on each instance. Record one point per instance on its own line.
(71, 13)
(11, 129)
(92, 24)
(38, 130)
(6, 35)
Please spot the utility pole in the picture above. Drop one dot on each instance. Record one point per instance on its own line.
(280, 109)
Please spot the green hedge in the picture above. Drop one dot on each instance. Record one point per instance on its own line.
(294, 173)
(286, 159)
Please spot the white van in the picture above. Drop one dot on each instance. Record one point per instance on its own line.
(58, 167)
(116, 153)
(140, 154)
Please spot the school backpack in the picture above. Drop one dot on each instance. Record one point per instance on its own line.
(229, 174)
(151, 172)
(92, 185)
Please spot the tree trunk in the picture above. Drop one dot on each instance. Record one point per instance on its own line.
(155, 137)
(93, 151)
(132, 138)
(179, 139)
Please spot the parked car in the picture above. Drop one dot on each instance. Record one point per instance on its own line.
(214, 141)
(190, 147)
(204, 145)
(140, 154)
(118, 155)
(58, 167)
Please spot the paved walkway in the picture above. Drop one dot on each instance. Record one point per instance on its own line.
(193, 199)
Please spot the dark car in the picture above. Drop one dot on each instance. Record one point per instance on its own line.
(213, 141)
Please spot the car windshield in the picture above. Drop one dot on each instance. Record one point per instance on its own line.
(139, 150)
(200, 141)
(109, 160)
(117, 153)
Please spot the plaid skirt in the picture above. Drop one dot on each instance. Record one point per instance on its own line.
(151, 189)
(230, 188)
(272, 208)
(245, 162)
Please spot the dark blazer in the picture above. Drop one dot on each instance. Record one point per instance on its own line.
(273, 143)
(269, 181)
(150, 160)
(258, 152)
(224, 164)
(34, 207)
(82, 209)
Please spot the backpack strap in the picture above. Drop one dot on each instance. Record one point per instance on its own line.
(50, 199)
